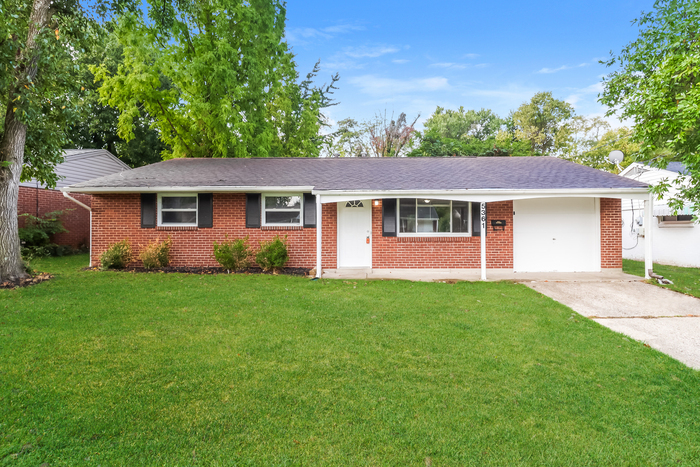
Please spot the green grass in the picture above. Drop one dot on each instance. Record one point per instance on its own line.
(109, 368)
(685, 280)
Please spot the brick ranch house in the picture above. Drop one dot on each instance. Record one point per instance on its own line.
(519, 214)
(79, 165)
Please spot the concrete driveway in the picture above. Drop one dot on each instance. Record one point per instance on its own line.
(665, 320)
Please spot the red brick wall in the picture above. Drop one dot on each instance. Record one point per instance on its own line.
(445, 252)
(610, 233)
(118, 217)
(76, 221)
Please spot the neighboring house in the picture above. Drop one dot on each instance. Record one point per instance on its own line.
(78, 166)
(541, 213)
(676, 238)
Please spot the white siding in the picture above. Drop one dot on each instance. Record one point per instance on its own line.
(678, 246)
(81, 165)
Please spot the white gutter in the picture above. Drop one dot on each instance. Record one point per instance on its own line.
(191, 189)
(89, 209)
(485, 195)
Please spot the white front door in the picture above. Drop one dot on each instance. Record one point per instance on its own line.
(355, 234)
(556, 235)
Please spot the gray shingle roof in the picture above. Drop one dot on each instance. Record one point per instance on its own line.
(435, 173)
(80, 165)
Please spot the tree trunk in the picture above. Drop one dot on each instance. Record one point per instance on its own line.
(12, 150)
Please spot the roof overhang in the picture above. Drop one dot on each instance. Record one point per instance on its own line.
(189, 189)
(333, 196)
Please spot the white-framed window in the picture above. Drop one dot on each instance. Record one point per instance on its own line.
(177, 209)
(421, 217)
(283, 209)
(676, 221)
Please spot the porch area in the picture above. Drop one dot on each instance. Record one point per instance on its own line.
(494, 275)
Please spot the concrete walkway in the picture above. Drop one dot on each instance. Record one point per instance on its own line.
(665, 320)
(437, 275)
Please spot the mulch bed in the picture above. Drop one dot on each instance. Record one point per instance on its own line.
(41, 277)
(302, 272)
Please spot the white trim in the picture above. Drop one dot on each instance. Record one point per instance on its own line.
(333, 196)
(319, 235)
(191, 189)
(482, 233)
(648, 214)
(159, 219)
(263, 215)
(488, 196)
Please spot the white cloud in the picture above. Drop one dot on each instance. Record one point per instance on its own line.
(561, 68)
(400, 61)
(470, 56)
(458, 66)
(384, 87)
(482, 65)
(304, 35)
(369, 52)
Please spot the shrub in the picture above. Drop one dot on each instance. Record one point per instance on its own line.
(156, 254)
(233, 254)
(117, 256)
(35, 236)
(272, 255)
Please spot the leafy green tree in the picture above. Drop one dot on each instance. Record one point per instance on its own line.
(379, 137)
(464, 124)
(657, 86)
(543, 122)
(592, 140)
(39, 92)
(435, 145)
(217, 78)
(95, 124)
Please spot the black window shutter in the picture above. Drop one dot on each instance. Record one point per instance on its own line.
(252, 210)
(389, 217)
(205, 210)
(148, 210)
(476, 220)
(309, 210)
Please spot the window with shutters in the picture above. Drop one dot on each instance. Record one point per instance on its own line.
(282, 209)
(421, 217)
(177, 210)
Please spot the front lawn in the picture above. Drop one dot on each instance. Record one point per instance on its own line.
(685, 280)
(170, 369)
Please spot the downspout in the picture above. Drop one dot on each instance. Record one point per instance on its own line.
(89, 209)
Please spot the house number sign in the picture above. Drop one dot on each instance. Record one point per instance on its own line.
(483, 214)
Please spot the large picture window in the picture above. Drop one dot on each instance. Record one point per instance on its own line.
(434, 217)
(282, 209)
(177, 210)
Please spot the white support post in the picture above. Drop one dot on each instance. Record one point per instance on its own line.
(483, 241)
(319, 236)
(648, 216)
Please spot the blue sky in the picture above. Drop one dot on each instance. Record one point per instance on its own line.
(406, 56)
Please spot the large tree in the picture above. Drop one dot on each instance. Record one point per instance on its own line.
(38, 92)
(464, 124)
(543, 122)
(95, 124)
(591, 141)
(218, 79)
(657, 86)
